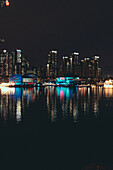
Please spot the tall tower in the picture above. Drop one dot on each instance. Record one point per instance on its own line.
(95, 66)
(18, 61)
(52, 64)
(10, 64)
(65, 66)
(86, 67)
(25, 65)
(4, 65)
(74, 64)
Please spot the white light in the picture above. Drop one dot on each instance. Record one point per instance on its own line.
(4, 84)
(96, 56)
(4, 51)
(65, 57)
(76, 53)
(18, 50)
(108, 83)
(54, 51)
(18, 110)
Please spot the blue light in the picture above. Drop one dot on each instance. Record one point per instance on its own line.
(64, 92)
(64, 80)
(18, 93)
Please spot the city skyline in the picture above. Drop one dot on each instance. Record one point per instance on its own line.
(66, 26)
(56, 84)
(15, 62)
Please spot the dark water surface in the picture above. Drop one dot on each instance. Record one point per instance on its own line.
(56, 128)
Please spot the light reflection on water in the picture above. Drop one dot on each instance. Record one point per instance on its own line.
(62, 103)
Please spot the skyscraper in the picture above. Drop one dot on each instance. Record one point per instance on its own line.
(4, 63)
(52, 64)
(89, 68)
(74, 64)
(10, 64)
(66, 66)
(95, 66)
(18, 57)
(25, 65)
(13, 63)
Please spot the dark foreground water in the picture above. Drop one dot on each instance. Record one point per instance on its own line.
(56, 128)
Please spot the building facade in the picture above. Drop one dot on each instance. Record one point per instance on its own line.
(13, 63)
(52, 67)
(74, 64)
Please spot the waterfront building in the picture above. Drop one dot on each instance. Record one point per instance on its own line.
(19, 80)
(64, 81)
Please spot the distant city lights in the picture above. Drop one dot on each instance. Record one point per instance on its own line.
(108, 83)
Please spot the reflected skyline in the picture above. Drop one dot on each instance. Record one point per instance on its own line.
(63, 103)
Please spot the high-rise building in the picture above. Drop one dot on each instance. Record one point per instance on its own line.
(65, 66)
(41, 72)
(89, 68)
(25, 65)
(4, 63)
(74, 64)
(13, 63)
(81, 68)
(95, 66)
(10, 64)
(18, 55)
(52, 64)
(17, 61)
(86, 67)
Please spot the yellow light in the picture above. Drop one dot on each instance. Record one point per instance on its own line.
(108, 84)
(4, 84)
(7, 90)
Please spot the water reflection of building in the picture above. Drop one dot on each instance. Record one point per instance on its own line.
(51, 103)
(108, 92)
(13, 102)
(62, 102)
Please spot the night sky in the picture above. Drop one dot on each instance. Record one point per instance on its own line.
(37, 26)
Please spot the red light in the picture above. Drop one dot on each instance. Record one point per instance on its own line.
(62, 78)
(7, 3)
